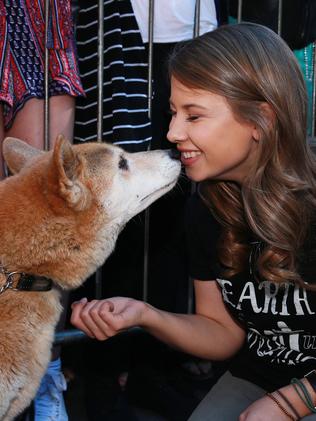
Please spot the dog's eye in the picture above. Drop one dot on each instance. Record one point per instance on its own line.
(123, 164)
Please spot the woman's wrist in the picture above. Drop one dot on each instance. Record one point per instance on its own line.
(288, 405)
(147, 314)
(285, 409)
(291, 394)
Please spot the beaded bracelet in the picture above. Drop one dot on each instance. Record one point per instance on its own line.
(289, 404)
(305, 396)
(275, 400)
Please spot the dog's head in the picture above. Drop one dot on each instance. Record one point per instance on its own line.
(83, 195)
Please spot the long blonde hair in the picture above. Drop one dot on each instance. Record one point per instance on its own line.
(250, 66)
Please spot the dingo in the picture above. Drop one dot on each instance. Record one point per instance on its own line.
(60, 215)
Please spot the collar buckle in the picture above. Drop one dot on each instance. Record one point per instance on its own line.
(25, 282)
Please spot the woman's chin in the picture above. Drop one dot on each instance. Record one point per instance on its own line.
(194, 175)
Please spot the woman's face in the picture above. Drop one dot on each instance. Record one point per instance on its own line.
(213, 144)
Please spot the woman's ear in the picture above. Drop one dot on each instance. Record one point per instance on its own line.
(268, 115)
(256, 134)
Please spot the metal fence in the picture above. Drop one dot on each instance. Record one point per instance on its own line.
(73, 334)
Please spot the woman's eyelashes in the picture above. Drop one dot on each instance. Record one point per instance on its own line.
(192, 117)
(189, 117)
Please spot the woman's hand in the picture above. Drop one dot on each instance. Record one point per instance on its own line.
(102, 319)
(264, 409)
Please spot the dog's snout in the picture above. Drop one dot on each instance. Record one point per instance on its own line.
(174, 154)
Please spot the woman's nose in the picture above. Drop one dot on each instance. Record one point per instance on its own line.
(175, 133)
(170, 136)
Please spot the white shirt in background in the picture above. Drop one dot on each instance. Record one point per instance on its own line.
(174, 19)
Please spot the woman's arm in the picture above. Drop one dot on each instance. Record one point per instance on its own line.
(211, 333)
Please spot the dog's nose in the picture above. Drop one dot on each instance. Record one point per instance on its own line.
(174, 154)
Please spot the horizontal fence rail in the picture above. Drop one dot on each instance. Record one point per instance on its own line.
(74, 335)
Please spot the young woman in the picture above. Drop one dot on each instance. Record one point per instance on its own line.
(238, 104)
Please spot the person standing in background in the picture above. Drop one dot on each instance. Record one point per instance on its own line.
(22, 52)
(173, 22)
(125, 106)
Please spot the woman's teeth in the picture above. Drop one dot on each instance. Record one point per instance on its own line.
(191, 154)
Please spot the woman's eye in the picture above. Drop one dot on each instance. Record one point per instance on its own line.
(123, 164)
(192, 117)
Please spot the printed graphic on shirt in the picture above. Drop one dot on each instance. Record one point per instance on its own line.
(280, 319)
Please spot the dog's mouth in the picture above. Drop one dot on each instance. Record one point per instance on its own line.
(161, 189)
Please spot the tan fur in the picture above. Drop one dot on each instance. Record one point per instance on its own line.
(60, 215)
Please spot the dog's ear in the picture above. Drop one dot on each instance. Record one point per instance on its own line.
(17, 153)
(70, 166)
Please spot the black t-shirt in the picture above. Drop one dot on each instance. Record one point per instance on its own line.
(280, 320)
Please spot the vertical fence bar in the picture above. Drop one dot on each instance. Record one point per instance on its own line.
(196, 33)
(314, 90)
(100, 70)
(151, 8)
(197, 12)
(46, 80)
(150, 54)
(98, 274)
(280, 11)
(239, 12)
